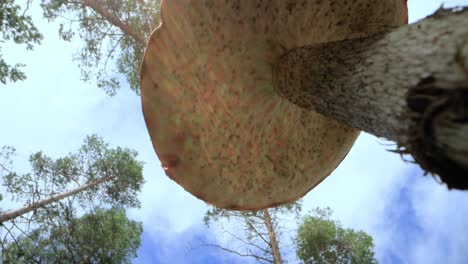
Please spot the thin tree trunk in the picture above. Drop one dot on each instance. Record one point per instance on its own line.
(98, 7)
(409, 86)
(272, 237)
(12, 214)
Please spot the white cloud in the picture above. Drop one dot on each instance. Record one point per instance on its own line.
(442, 215)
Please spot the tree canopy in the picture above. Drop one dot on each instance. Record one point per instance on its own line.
(104, 236)
(58, 190)
(93, 161)
(19, 29)
(114, 34)
(323, 240)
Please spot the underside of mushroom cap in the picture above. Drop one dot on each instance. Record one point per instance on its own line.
(209, 102)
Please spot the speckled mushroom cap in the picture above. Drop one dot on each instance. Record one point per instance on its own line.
(209, 102)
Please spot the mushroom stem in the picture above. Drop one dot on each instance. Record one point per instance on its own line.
(409, 85)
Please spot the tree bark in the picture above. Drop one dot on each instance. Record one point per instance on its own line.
(272, 237)
(12, 214)
(409, 85)
(98, 7)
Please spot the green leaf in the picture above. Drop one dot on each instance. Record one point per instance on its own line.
(323, 240)
(103, 236)
(110, 55)
(19, 29)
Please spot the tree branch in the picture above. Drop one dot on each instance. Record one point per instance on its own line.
(4, 168)
(409, 85)
(114, 20)
(9, 215)
(255, 230)
(249, 243)
(238, 253)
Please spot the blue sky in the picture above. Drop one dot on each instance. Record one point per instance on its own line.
(411, 217)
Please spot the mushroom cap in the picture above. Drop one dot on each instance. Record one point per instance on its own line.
(218, 127)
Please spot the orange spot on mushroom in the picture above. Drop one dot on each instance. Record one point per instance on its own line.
(270, 107)
(232, 152)
(179, 138)
(281, 143)
(169, 162)
(208, 94)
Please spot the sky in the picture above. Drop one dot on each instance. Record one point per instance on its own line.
(411, 217)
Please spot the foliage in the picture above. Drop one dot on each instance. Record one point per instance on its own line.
(113, 31)
(6, 152)
(322, 240)
(105, 236)
(252, 230)
(216, 214)
(20, 29)
(93, 161)
(117, 168)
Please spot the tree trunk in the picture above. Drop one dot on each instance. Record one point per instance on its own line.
(409, 85)
(272, 237)
(98, 7)
(12, 214)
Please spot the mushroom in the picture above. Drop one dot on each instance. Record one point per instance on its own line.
(216, 121)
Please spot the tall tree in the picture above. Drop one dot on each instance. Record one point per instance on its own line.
(113, 31)
(104, 236)
(323, 240)
(95, 176)
(19, 29)
(262, 230)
